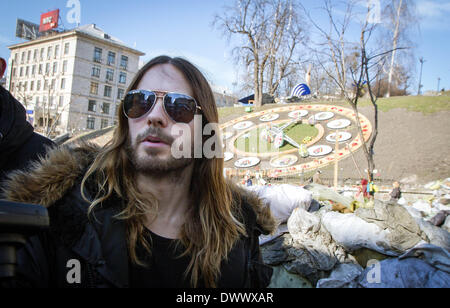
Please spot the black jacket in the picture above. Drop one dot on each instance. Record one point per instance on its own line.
(100, 245)
(18, 143)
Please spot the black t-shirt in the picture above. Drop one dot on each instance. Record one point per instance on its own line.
(165, 269)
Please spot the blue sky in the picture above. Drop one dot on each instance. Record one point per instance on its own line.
(183, 28)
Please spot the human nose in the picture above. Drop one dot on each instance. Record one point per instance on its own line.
(157, 116)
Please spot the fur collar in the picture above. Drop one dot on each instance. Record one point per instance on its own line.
(48, 180)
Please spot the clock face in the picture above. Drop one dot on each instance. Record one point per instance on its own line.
(269, 117)
(298, 114)
(319, 150)
(343, 136)
(243, 125)
(283, 161)
(290, 140)
(247, 162)
(322, 116)
(337, 124)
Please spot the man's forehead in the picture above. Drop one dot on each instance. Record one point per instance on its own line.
(165, 77)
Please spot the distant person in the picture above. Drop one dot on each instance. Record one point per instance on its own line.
(316, 178)
(362, 193)
(19, 144)
(249, 181)
(396, 193)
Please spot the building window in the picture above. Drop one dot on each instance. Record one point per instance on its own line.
(38, 85)
(120, 93)
(56, 51)
(45, 85)
(51, 101)
(92, 105)
(29, 56)
(124, 62)
(49, 52)
(52, 85)
(109, 75)
(16, 57)
(98, 55)
(65, 66)
(108, 91)
(123, 77)
(66, 48)
(35, 53)
(27, 71)
(19, 87)
(22, 59)
(96, 71)
(14, 72)
(33, 70)
(32, 85)
(105, 108)
(40, 69)
(94, 88)
(55, 67)
(90, 123)
(47, 68)
(41, 57)
(25, 86)
(37, 101)
(63, 83)
(12, 87)
(104, 123)
(21, 71)
(111, 58)
(61, 101)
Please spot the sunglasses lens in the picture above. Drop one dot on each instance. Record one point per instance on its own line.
(137, 104)
(181, 108)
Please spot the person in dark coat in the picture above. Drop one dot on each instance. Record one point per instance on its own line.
(19, 144)
(130, 214)
(396, 193)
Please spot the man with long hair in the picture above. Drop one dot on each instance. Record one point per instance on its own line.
(130, 214)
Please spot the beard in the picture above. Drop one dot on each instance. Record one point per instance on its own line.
(150, 163)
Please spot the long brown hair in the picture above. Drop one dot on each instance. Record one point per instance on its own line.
(214, 221)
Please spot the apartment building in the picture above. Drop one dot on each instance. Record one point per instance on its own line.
(71, 81)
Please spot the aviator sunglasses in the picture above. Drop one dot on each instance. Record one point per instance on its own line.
(179, 107)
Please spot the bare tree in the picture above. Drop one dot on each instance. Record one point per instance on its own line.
(269, 33)
(353, 66)
(399, 22)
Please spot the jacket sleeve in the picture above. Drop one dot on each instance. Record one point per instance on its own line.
(260, 273)
(32, 269)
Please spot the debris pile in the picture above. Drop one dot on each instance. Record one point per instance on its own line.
(326, 240)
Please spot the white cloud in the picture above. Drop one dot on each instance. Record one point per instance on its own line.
(432, 9)
(433, 14)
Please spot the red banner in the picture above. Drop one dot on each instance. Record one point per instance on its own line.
(49, 20)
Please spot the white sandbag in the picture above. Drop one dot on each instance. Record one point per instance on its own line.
(423, 207)
(352, 232)
(283, 199)
(402, 201)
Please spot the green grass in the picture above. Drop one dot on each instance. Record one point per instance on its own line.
(424, 104)
(255, 144)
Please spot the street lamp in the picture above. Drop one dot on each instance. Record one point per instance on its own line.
(439, 81)
(421, 60)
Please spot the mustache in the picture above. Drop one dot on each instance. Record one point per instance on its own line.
(155, 132)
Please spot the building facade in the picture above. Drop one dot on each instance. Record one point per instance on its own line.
(71, 81)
